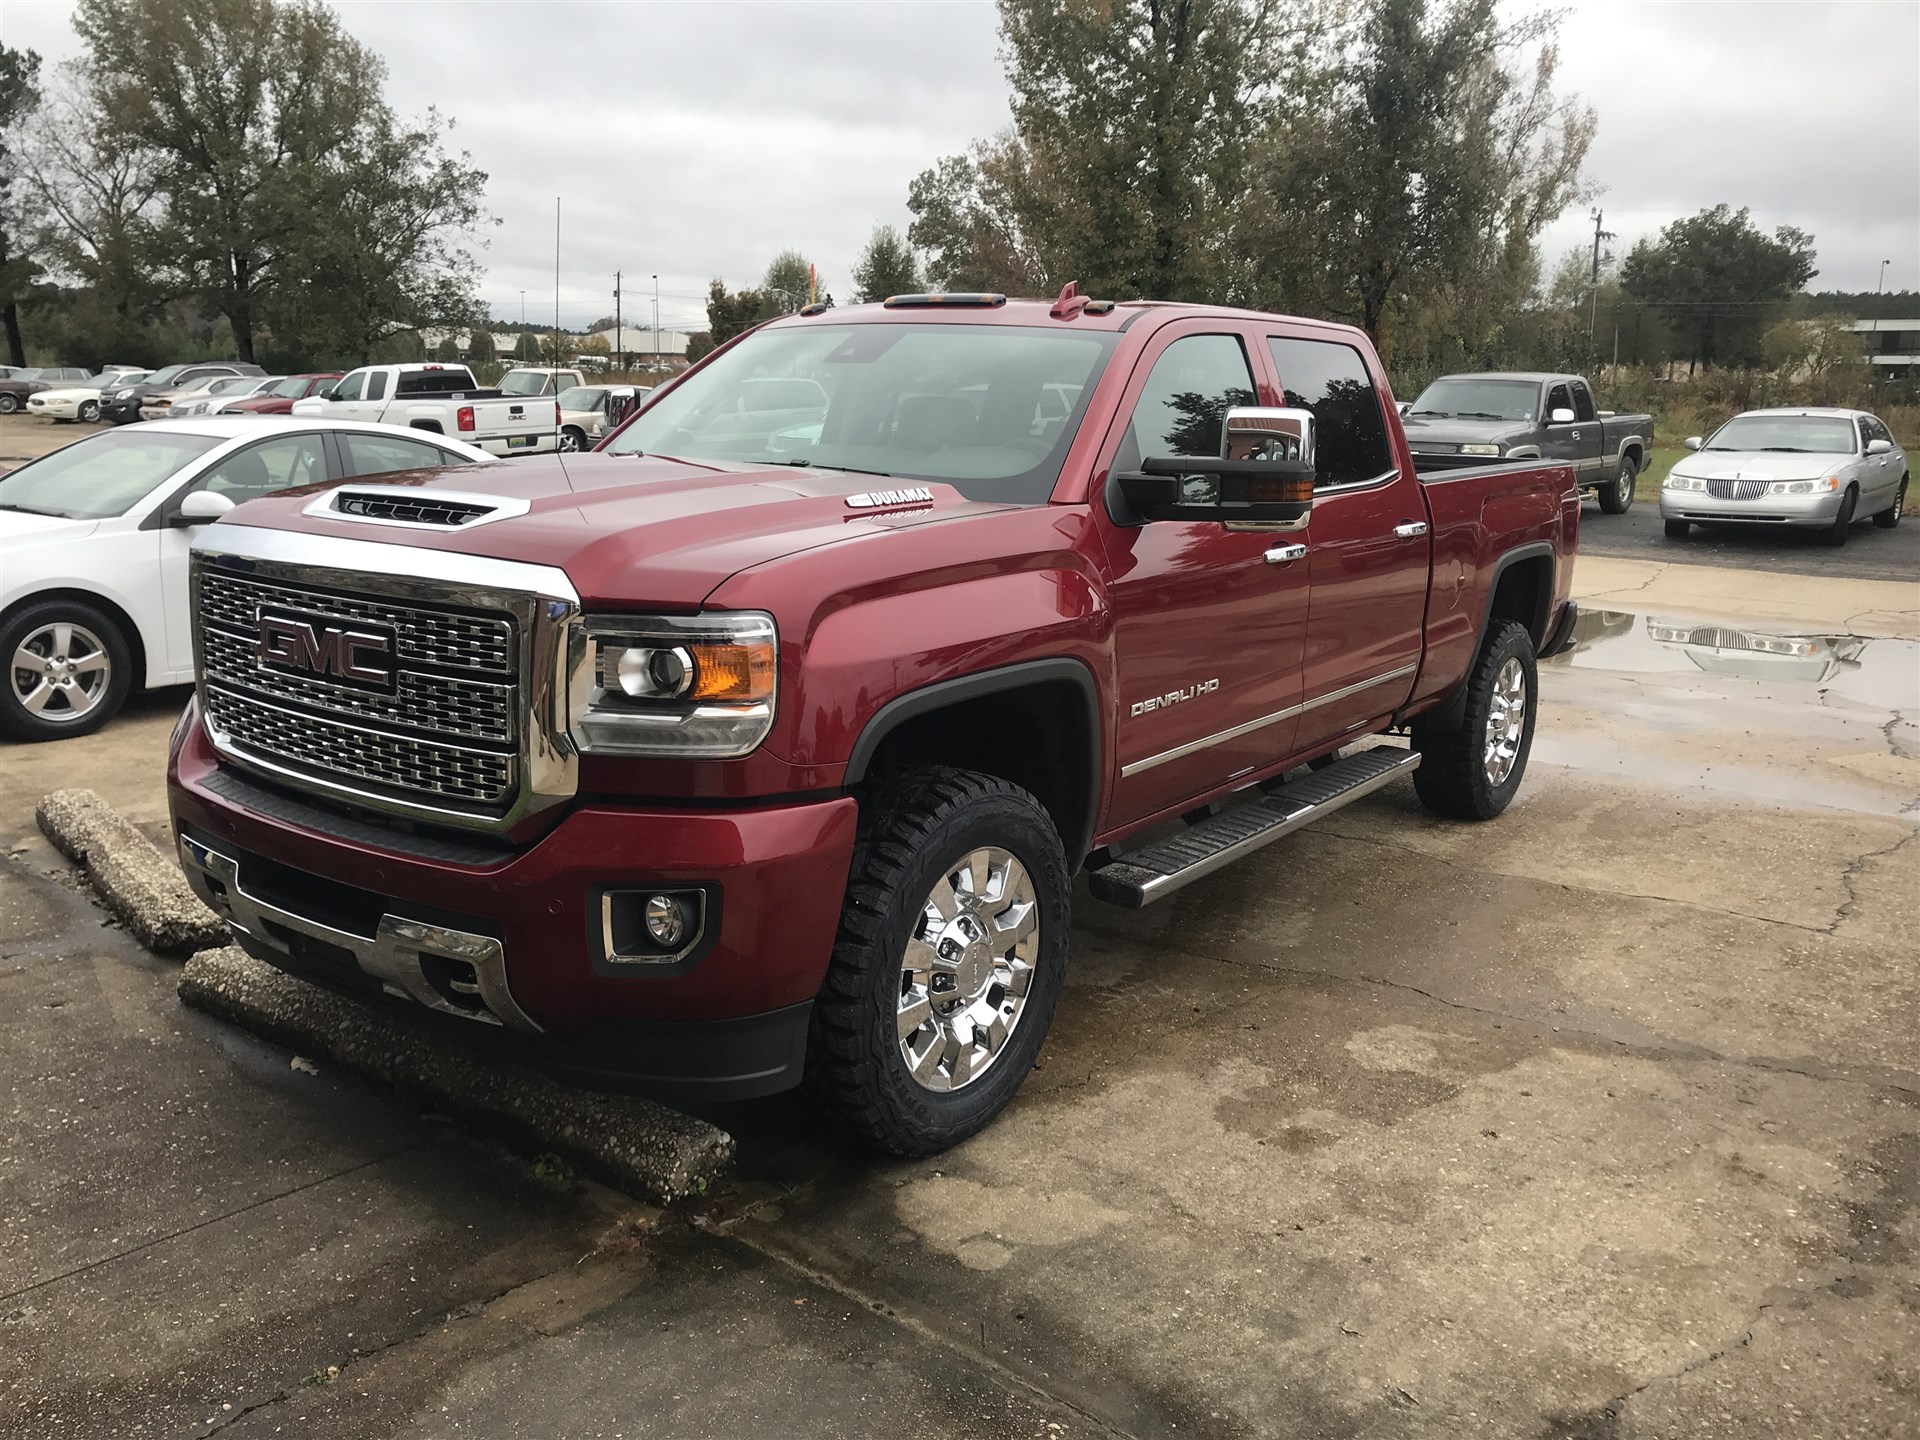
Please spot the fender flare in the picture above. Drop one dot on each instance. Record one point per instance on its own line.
(1019, 676)
(1451, 712)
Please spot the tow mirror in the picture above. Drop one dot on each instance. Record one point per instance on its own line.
(1693, 442)
(201, 507)
(1263, 477)
(1560, 415)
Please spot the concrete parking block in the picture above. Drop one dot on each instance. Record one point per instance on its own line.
(628, 1142)
(141, 885)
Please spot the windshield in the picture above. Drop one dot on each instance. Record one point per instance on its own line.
(524, 382)
(163, 375)
(293, 387)
(102, 475)
(1814, 434)
(975, 406)
(1478, 400)
(580, 397)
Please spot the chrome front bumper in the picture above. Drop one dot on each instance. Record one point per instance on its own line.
(471, 981)
(1698, 505)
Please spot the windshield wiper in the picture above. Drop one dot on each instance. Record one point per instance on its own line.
(1441, 413)
(1477, 415)
(1784, 450)
(843, 469)
(30, 510)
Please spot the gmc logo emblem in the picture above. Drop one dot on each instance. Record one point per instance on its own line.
(315, 646)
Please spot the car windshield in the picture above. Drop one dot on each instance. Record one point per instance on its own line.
(232, 385)
(524, 382)
(1478, 399)
(974, 406)
(580, 397)
(103, 475)
(163, 375)
(98, 382)
(1813, 434)
(293, 387)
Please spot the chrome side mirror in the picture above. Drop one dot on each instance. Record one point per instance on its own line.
(1264, 432)
(1560, 415)
(1693, 442)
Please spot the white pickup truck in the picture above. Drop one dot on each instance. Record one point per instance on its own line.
(446, 400)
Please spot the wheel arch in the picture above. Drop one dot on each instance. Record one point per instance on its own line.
(1520, 588)
(112, 609)
(432, 427)
(1035, 723)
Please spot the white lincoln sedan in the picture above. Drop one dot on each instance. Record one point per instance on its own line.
(1808, 467)
(94, 540)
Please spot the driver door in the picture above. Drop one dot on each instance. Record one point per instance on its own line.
(271, 465)
(1209, 622)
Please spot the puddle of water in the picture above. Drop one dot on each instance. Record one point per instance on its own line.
(1873, 673)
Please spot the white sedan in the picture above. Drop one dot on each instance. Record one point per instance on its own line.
(94, 541)
(80, 401)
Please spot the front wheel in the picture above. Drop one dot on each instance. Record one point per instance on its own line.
(68, 670)
(1836, 533)
(90, 411)
(951, 955)
(1678, 529)
(1473, 772)
(1617, 496)
(1890, 517)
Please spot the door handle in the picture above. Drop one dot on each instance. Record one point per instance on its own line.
(1409, 529)
(1286, 554)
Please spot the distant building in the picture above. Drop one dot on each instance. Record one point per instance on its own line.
(1893, 347)
(639, 344)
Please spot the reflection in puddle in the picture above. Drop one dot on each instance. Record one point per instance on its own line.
(1883, 674)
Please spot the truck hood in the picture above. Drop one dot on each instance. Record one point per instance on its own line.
(1434, 432)
(634, 531)
(1759, 465)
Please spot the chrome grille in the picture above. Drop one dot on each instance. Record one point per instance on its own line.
(425, 636)
(400, 762)
(1729, 489)
(443, 704)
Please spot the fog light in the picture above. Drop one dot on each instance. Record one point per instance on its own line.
(667, 921)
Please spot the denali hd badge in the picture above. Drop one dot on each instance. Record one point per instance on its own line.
(1174, 697)
(316, 646)
(886, 499)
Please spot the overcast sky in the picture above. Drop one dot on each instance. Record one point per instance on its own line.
(695, 140)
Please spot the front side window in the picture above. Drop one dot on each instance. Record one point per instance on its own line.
(262, 469)
(1183, 409)
(379, 454)
(1331, 380)
(955, 403)
(1558, 399)
(354, 386)
(103, 475)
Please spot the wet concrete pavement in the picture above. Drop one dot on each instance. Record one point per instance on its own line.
(1599, 1121)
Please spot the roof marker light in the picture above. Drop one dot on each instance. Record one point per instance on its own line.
(977, 300)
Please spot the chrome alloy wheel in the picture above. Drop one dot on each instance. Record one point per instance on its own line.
(60, 672)
(1623, 485)
(1506, 721)
(967, 969)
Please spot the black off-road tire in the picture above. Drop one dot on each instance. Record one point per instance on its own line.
(1836, 533)
(1616, 496)
(1890, 517)
(912, 827)
(19, 723)
(1678, 529)
(1452, 780)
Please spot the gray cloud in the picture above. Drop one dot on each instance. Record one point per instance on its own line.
(694, 140)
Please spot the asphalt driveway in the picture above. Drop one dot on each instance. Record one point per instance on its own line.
(1869, 554)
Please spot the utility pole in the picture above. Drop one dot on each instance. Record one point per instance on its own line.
(1593, 307)
(656, 329)
(556, 284)
(618, 339)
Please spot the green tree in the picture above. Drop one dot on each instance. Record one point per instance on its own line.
(447, 351)
(1719, 282)
(480, 349)
(526, 350)
(886, 267)
(978, 218)
(699, 343)
(1419, 176)
(729, 312)
(1823, 353)
(786, 285)
(19, 92)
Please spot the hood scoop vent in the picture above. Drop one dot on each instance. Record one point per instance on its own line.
(414, 507)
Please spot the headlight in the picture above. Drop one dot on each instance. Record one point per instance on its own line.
(693, 687)
(1804, 487)
(1685, 482)
(1479, 449)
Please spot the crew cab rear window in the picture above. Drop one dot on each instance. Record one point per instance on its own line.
(977, 407)
(376, 385)
(1582, 401)
(1331, 380)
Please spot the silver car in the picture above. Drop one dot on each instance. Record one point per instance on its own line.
(1822, 468)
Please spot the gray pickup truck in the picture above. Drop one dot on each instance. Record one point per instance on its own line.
(1518, 415)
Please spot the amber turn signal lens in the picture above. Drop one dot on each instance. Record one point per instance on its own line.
(737, 674)
(1279, 492)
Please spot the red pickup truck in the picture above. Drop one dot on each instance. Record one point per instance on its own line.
(769, 737)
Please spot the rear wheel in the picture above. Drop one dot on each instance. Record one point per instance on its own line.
(1890, 517)
(1473, 772)
(1616, 497)
(1836, 533)
(8, 403)
(572, 439)
(950, 958)
(68, 668)
(1677, 529)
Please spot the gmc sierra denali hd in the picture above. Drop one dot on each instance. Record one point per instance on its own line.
(769, 736)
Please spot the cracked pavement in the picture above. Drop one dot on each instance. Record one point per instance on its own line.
(1601, 1122)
